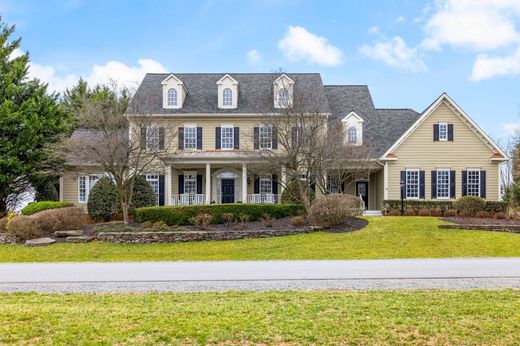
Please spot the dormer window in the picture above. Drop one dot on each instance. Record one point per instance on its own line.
(283, 88)
(174, 92)
(172, 97)
(227, 92)
(353, 125)
(352, 135)
(227, 97)
(283, 97)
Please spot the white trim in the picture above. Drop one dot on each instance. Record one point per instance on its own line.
(385, 181)
(500, 197)
(61, 188)
(283, 75)
(221, 80)
(437, 184)
(168, 186)
(418, 183)
(447, 135)
(352, 114)
(429, 111)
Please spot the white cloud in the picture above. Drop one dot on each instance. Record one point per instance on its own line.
(487, 67)
(400, 19)
(299, 44)
(253, 56)
(374, 30)
(395, 53)
(510, 129)
(480, 25)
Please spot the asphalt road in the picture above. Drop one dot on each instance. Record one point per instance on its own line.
(456, 273)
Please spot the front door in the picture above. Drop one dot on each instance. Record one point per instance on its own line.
(362, 191)
(228, 190)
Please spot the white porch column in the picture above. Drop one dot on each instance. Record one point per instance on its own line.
(208, 183)
(61, 188)
(283, 179)
(244, 183)
(168, 186)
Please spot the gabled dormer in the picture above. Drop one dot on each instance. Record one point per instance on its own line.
(174, 92)
(353, 125)
(283, 88)
(227, 92)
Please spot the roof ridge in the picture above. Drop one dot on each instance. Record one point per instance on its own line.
(345, 85)
(231, 73)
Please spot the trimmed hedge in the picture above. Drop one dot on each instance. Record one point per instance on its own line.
(489, 206)
(36, 207)
(181, 215)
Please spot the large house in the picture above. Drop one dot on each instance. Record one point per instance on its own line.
(439, 154)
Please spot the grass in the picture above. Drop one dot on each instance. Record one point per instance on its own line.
(288, 318)
(384, 237)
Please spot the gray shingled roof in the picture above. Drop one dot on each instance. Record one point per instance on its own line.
(255, 92)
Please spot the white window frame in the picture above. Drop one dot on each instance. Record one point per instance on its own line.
(265, 137)
(443, 126)
(190, 143)
(283, 97)
(333, 184)
(416, 171)
(447, 188)
(227, 97)
(473, 170)
(266, 185)
(88, 181)
(152, 138)
(172, 97)
(153, 180)
(223, 129)
(352, 139)
(190, 183)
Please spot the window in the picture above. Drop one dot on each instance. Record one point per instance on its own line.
(333, 184)
(266, 186)
(190, 137)
(443, 183)
(153, 180)
(265, 137)
(227, 137)
(85, 184)
(352, 135)
(190, 184)
(152, 137)
(172, 97)
(227, 97)
(283, 97)
(412, 183)
(473, 182)
(443, 132)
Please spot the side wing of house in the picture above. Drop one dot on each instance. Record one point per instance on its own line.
(443, 156)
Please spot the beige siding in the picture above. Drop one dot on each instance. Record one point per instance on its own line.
(467, 150)
(379, 178)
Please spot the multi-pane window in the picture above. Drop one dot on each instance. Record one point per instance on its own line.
(85, 184)
(412, 184)
(266, 186)
(190, 137)
(226, 137)
(333, 184)
(172, 97)
(152, 137)
(190, 184)
(443, 132)
(227, 97)
(283, 97)
(473, 182)
(352, 135)
(265, 137)
(153, 180)
(443, 183)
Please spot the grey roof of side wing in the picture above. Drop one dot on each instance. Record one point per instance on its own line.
(255, 92)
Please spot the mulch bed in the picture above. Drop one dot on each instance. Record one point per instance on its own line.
(482, 221)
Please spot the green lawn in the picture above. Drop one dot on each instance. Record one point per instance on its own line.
(384, 237)
(288, 318)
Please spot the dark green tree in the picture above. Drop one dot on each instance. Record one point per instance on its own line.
(30, 119)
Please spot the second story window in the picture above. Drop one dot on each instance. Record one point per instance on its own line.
(227, 97)
(443, 132)
(227, 136)
(172, 97)
(352, 135)
(152, 137)
(283, 97)
(265, 137)
(190, 137)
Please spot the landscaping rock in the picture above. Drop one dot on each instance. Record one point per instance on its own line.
(79, 239)
(7, 238)
(71, 233)
(40, 242)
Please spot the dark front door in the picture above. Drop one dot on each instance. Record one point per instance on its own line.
(362, 191)
(228, 190)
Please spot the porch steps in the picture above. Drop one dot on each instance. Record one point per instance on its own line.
(372, 213)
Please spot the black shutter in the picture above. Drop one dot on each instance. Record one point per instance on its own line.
(257, 185)
(143, 137)
(161, 189)
(450, 132)
(421, 184)
(274, 135)
(402, 184)
(483, 184)
(199, 184)
(452, 184)
(161, 138)
(342, 187)
(294, 136)
(435, 132)
(181, 184)
(199, 138)
(464, 183)
(236, 139)
(275, 184)
(181, 138)
(256, 135)
(434, 184)
(217, 138)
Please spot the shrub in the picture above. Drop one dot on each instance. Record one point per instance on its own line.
(24, 228)
(499, 215)
(102, 200)
(297, 221)
(334, 209)
(3, 224)
(424, 212)
(469, 205)
(417, 204)
(36, 207)
(394, 212)
(483, 214)
(202, 220)
(180, 215)
(267, 220)
(291, 193)
(46, 191)
(144, 195)
(60, 219)
(436, 212)
(496, 206)
(450, 213)
(228, 218)
(462, 213)
(410, 212)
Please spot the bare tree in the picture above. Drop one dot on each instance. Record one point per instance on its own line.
(123, 142)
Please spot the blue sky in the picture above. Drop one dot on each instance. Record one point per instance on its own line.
(407, 51)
